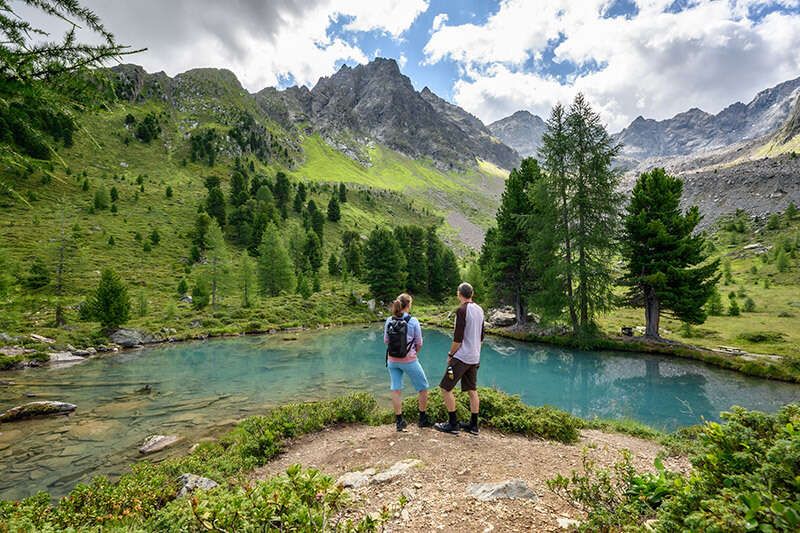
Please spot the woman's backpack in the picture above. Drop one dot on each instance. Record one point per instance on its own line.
(397, 333)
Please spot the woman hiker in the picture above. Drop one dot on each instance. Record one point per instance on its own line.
(402, 335)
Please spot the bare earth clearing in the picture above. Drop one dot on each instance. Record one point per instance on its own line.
(436, 489)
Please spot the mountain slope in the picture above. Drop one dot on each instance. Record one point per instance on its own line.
(694, 131)
(522, 131)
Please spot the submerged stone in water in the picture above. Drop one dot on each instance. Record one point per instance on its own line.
(34, 409)
(156, 443)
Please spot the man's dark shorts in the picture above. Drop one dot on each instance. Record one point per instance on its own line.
(467, 374)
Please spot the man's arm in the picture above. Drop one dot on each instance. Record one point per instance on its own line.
(458, 332)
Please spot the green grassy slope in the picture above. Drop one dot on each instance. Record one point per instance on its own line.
(774, 326)
(103, 158)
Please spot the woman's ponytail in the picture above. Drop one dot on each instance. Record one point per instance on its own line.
(402, 302)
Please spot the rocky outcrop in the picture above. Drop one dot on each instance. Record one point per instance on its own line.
(376, 102)
(129, 338)
(156, 443)
(695, 130)
(37, 409)
(65, 357)
(515, 488)
(188, 483)
(362, 478)
(522, 131)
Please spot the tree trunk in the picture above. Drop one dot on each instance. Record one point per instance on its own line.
(568, 253)
(519, 309)
(652, 313)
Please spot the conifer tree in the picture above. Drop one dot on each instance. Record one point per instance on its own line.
(334, 267)
(101, 198)
(509, 269)
(352, 254)
(114, 194)
(412, 240)
(385, 265)
(316, 219)
(664, 257)
(215, 205)
(313, 251)
(275, 268)
(240, 188)
(217, 256)
(342, 193)
(247, 279)
(299, 198)
(303, 288)
(110, 304)
(201, 225)
(334, 213)
(282, 191)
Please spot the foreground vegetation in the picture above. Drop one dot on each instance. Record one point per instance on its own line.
(744, 476)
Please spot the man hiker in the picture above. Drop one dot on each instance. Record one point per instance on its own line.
(463, 361)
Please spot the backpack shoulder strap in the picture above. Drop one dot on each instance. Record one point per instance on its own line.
(407, 318)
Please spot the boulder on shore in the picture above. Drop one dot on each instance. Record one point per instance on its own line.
(501, 318)
(65, 357)
(188, 483)
(515, 488)
(35, 409)
(128, 338)
(156, 443)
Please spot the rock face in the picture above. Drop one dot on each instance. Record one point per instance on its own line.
(695, 130)
(515, 488)
(376, 102)
(522, 131)
(128, 338)
(36, 409)
(356, 480)
(188, 483)
(156, 443)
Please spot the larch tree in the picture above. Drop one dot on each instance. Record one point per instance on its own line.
(385, 265)
(275, 266)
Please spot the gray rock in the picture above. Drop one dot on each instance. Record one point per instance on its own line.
(195, 324)
(39, 338)
(371, 305)
(128, 338)
(65, 357)
(15, 350)
(501, 318)
(188, 483)
(156, 443)
(356, 480)
(36, 409)
(515, 488)
(396, 470)
(186, 299)
(5, 337)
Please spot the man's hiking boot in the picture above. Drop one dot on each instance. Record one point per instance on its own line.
(446, 427)
(424, 421)
(469, 428)
(401, 424)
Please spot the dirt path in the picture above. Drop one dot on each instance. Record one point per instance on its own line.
(436, 489)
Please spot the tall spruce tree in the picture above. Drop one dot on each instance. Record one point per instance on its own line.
(240, 188)
(385, 265)
(247, 278)
(352, 253)
(275, 267)
(509, 268)
(299, 198)
(342, 193)
(313, 251)
(663, 256)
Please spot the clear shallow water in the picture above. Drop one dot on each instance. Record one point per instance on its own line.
(199, 389)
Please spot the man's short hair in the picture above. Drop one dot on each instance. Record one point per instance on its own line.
(466, 290)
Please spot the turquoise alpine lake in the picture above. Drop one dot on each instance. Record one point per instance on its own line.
(197, 390)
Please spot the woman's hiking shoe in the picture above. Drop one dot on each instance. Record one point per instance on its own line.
(446, 427)
(401, 424)
(424, 421)
(469, 428)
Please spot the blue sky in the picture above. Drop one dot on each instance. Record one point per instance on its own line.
(653, 58)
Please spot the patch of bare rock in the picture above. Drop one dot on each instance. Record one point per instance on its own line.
(492, 482)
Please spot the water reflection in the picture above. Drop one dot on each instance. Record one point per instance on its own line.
(200, 389)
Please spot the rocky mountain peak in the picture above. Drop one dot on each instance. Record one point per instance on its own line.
(522, 131)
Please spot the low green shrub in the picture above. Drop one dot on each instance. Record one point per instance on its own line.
(505, 413)
(761, 336)
(744, 478)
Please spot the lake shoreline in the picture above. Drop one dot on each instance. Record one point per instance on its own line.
(754, 365)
